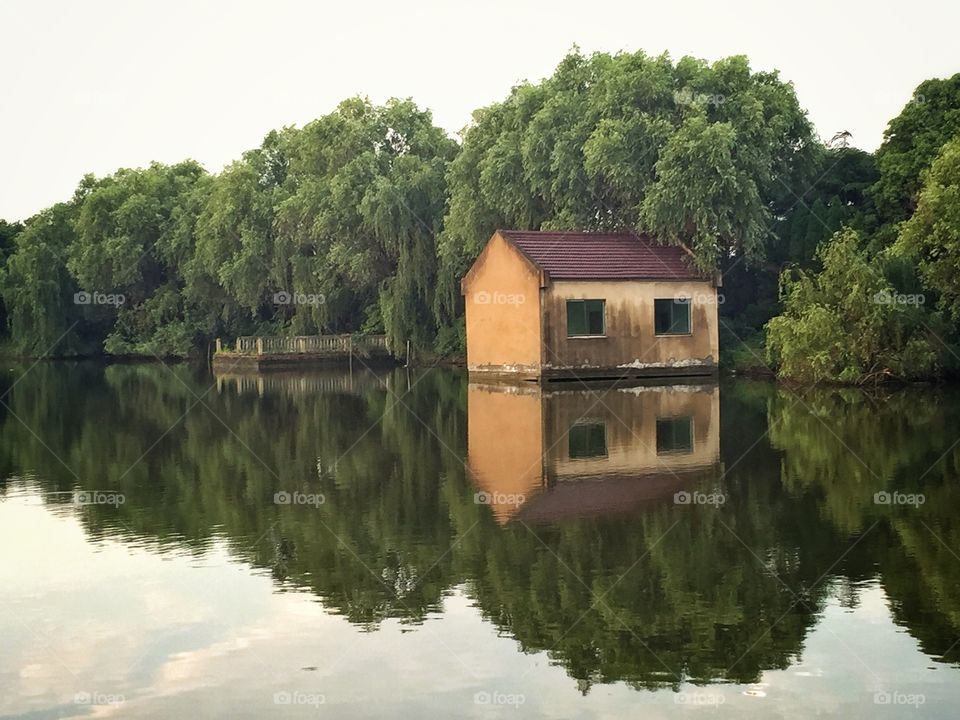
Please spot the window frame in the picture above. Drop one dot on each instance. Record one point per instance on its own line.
(674, 302)
(583, 302)
(673, 420)
(587, 425)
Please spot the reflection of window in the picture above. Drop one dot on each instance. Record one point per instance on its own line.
(671, 317)
(588, 440)
(674, 435)
(585, 317)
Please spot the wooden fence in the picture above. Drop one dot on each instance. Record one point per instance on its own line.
(307, 345)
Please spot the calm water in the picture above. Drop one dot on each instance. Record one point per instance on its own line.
(411, 545)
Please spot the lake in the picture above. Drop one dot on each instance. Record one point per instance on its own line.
(397, 543)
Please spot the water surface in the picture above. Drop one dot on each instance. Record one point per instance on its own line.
(408, 544)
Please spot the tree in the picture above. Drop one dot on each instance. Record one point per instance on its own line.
(932, 234)
(838, 196)
(131, 242)
(38, 291)
(911, 141)
(367, 194)
(8, 231)
(848, 323)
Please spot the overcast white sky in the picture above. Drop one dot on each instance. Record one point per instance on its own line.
(97, 85)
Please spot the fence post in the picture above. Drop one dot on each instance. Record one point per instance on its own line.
(259, 346)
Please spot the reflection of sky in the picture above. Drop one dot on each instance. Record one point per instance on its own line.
(180, 635)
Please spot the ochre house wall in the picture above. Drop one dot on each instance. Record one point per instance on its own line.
(502, 308)
(505, 445)
(630, 339)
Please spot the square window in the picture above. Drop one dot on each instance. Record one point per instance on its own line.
(588, 440)
(674, 436)
(586, 317)
(671, 317)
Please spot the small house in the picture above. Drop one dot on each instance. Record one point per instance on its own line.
(556, 305)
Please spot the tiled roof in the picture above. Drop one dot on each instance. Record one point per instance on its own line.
(601, 256)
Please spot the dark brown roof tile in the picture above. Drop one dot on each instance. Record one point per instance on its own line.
(602, 256)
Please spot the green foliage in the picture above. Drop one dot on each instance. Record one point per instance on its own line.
(344, 211)
(848, 323)
(829, 331)
(38, 290)
(838, 196)
(911, 141)
(8, 231)
(932, 234)
(133, 235)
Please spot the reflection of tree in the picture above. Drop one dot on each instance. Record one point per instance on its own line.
(842, 446)
(705, 593)
(204, 477)
(846, 446)
(647, 601)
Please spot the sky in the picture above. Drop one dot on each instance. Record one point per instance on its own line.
(104, 84)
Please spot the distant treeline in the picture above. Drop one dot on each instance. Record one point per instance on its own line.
(365, 219)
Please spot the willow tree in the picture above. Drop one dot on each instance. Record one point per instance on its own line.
(236, 268)
(133, 234)
(367, 198)
(38, 289)
(331, 228)
(695, 154)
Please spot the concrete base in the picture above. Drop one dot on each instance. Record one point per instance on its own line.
(240, 362)
(574, 375)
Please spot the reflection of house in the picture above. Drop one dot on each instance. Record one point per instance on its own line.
(553, 305)
(539, 455)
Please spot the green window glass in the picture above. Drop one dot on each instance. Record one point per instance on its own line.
(588, 439)
(674, 435)
(671, 317)
(585, 317)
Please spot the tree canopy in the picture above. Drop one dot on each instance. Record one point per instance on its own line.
(881, 298)
(344, 212)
